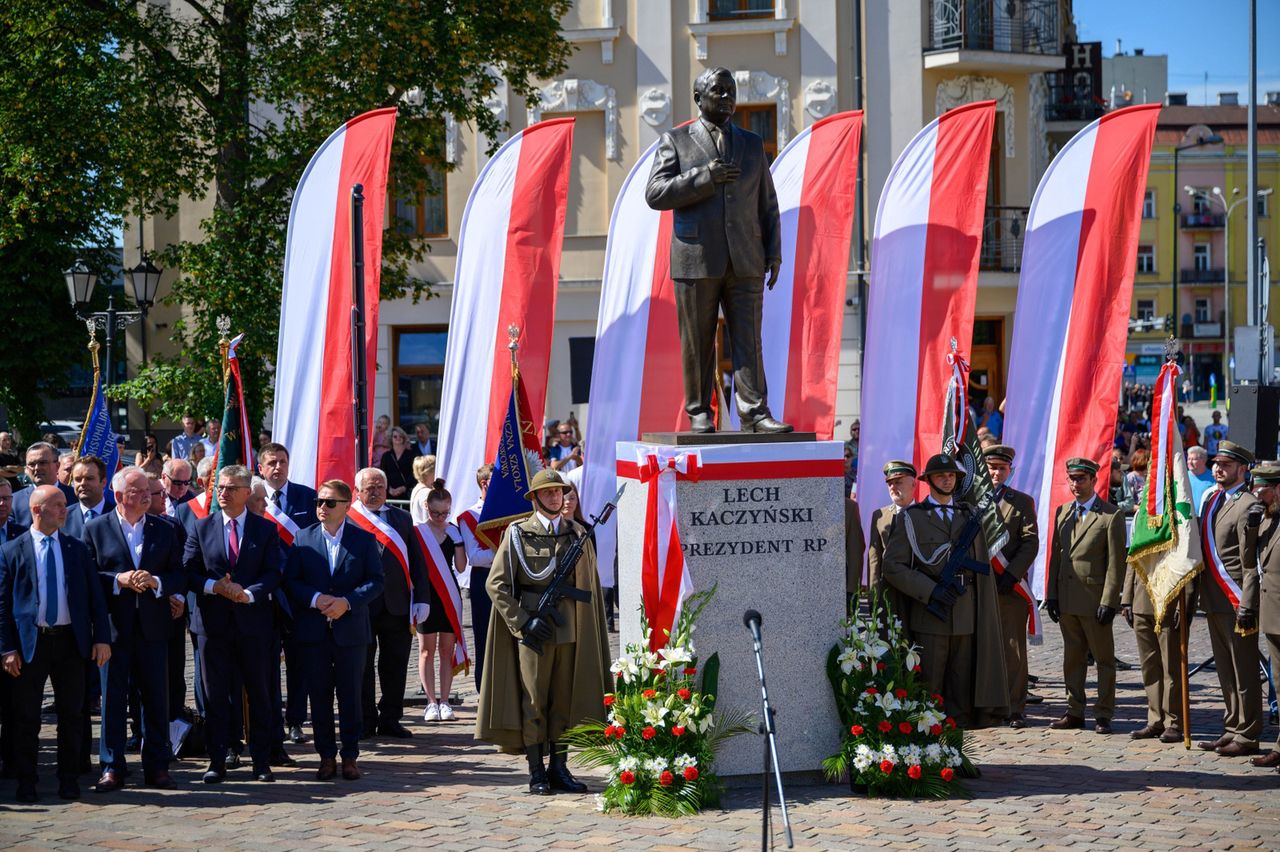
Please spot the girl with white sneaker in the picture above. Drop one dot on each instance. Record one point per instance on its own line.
(436, 633)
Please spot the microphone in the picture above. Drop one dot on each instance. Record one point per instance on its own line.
(751, 618)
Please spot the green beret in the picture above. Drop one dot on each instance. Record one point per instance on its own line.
(898, 467)
(1083, 465)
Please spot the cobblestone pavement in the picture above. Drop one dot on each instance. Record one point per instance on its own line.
(1039, 788)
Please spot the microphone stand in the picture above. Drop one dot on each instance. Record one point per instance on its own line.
(769, 729)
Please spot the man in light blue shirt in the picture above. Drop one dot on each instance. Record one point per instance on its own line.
(1200, 475)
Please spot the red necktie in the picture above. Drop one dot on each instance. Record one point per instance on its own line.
(233, 544)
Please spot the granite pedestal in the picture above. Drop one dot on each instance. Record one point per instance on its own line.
(764, 523)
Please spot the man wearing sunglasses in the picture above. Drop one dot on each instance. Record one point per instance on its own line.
(177, 479)
(41, 469)
(233, 563)
(334, 571)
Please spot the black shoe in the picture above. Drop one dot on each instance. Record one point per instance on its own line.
(68, 788)
(560, 778)
(396, 730)
(368, 732)
(233, 760)
(702, 424)
(280, 757)
(265, 776)
(538, 783)
(27, 793)
(215, 775)
(767, 426)
(296, 736)
(133, 745)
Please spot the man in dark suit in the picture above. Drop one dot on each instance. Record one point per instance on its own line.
(177, 655)
(139, 558)
(334, 571)
(42, 469)
(177, 478)
(233, 564)
(9, 530)
(725, 236)
(89, 482)
(53, 618)
(399, 605)
(298, 503)
(422, 440)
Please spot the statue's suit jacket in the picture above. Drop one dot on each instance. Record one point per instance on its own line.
(714, 224)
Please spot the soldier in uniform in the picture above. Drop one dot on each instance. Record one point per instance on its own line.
(1160, 656)
(854, 546)
(1266, 487)
(961, 654)
(527, 699)
(1018, 511)
(1228, 593)
(1086, 573)
(900, 479)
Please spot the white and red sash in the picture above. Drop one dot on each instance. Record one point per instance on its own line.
(285, 526)
(440, 574)
(1211, 559)
(470, 518)
(386, 535)
(664, 576)
(199, 504)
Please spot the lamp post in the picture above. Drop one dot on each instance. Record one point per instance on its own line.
(81, 280)
(1209, 139)
(1228, 209)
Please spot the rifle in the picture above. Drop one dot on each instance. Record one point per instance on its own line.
(959, 559)
(559, 589)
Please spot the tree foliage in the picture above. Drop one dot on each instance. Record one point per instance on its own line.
(230, 99)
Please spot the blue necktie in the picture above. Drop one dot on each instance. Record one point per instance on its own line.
(50, 584)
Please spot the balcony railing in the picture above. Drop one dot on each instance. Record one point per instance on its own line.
(1003, 230)
(1203, 221)
(1009, 26)
(1203, 276)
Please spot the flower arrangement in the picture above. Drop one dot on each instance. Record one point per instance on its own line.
(660, 737)
(897, 740)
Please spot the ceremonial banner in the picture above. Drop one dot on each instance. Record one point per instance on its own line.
(924, 278)
(519, 456)
(1165, 549)
(313, 410)
(97, 438)
(440, 573)
(1072, 319)
(814, 177)
(506, 275)
(236, 444)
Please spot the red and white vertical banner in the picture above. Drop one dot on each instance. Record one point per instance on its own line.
(924, 282)
(313, 412)
(1072, 321)
(506, 274)
(815, 178)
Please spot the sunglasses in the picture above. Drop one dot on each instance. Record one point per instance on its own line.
(183, 483)
(329, 502)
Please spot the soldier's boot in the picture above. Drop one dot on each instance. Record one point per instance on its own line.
(559, 774)
(538, 784)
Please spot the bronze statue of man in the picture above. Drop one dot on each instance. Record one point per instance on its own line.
(726, 235)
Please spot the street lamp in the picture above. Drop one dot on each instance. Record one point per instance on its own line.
(1205, 139)
(1228, 209)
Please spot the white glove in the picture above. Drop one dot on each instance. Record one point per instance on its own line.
(419, 612)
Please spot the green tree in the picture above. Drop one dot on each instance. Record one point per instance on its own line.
(232, 98)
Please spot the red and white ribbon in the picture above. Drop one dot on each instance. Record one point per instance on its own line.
(386, 535)
(1219, 571)
(200, 504)
(440, 575)
(665, 578)
(285, 526)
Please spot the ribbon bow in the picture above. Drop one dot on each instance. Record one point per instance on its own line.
(665, 580)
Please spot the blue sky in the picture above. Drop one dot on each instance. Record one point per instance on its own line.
(1198, 36)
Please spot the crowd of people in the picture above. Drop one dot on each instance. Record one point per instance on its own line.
(292, 599)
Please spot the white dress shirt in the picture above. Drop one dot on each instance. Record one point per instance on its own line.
(133, 538)
(478, 556)
(64, 610)
(226, 543)
(1087, 505)
(551, 525)
(333, 549)
(284, 496)
(97, 510)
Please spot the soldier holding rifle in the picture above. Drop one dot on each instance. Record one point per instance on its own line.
(546, 662)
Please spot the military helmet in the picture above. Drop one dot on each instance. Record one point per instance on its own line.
(942, 463)
(545, 480)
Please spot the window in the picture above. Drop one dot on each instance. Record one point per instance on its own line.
(1263, 203)
(762, 120)
(727, 10)
(1146, 309)
(421, 210)
(1202, 310)
(1202, 257)
(417, 374)
(582, 353)
(1149, 204)
(1146, 259)
(1200, 202)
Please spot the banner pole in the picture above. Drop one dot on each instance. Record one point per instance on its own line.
(1186, 677)
(359, 367)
